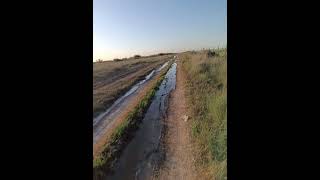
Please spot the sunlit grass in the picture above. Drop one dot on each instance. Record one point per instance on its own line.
(207, 97)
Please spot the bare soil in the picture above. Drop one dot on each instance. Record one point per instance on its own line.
(112, 79)
(179, 158)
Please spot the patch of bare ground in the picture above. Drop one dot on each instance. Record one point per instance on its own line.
(179, 158)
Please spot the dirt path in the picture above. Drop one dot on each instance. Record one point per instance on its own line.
(120, 116)
(178, 163)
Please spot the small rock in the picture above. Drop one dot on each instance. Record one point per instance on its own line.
(185, 118)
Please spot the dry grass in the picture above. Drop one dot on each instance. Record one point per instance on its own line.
(112, 79)
(207, 97)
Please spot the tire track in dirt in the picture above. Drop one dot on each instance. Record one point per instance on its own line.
(179, 159)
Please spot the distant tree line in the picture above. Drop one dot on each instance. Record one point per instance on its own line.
(137, 56)
(117, 59)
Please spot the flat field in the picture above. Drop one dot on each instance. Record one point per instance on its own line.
(111, 79)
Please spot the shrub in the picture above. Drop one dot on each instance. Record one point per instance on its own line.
(136, 56)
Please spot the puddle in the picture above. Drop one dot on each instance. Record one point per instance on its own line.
(164, 65)
(142, 154)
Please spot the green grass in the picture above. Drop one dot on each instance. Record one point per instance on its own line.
(122, 132)
(207, 97)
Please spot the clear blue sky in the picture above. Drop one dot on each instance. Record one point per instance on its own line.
(122, 28)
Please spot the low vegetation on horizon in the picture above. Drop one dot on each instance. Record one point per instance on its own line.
(137, 56)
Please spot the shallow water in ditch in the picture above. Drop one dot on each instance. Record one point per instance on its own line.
(105, 119)
(142, 154)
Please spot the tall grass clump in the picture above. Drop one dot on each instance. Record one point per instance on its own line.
(207, 96)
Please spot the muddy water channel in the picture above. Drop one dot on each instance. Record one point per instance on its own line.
(142, 155)
(103, 122)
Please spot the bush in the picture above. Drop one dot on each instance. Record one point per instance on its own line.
(136, 56)
(211, 54)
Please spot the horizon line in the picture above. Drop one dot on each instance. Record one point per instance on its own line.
(148, 54)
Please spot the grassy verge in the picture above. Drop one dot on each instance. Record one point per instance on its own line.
(124, 132)
(207, 99)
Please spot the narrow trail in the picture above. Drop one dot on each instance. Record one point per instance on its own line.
(179, 161)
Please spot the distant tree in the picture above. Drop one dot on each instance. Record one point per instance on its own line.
(117, 59)
(99, 60)
(136, 56)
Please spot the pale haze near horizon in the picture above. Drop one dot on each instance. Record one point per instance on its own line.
(123, 28)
